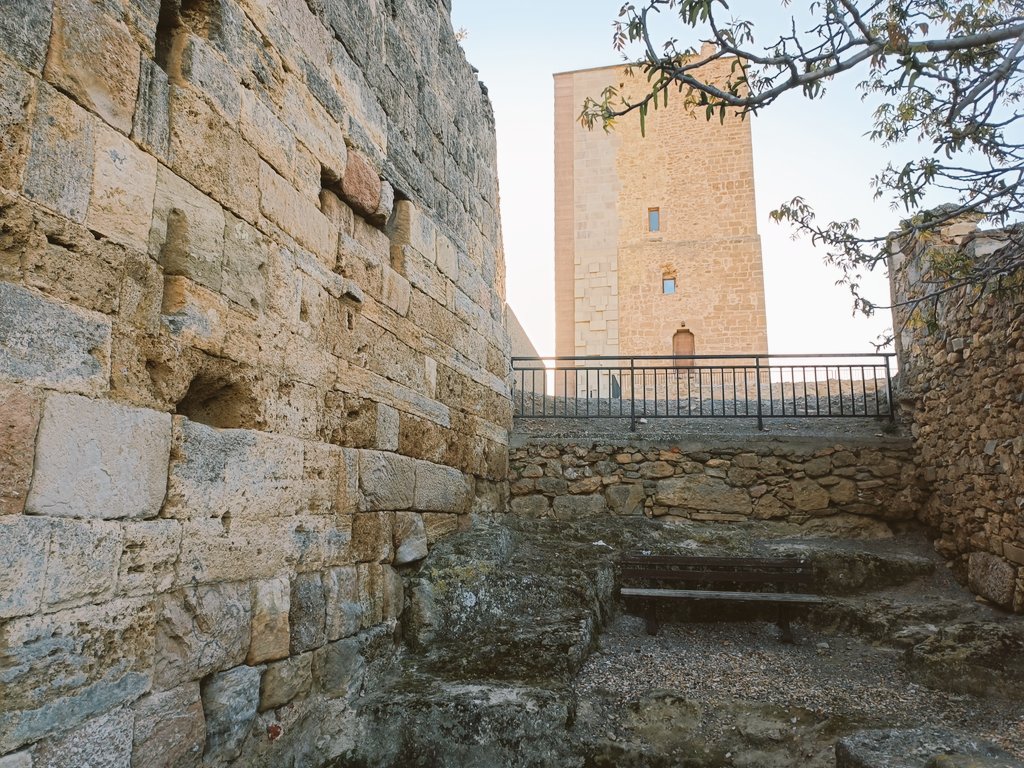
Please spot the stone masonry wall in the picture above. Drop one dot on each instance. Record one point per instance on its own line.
(961, 388)
(252, 361)
(817, 484)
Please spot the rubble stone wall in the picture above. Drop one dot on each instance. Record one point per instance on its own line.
(252, 361)
(961, 389)
(817, 484)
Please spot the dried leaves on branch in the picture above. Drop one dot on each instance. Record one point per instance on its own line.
(947, 73)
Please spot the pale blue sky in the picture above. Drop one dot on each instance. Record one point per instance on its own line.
(815, 149)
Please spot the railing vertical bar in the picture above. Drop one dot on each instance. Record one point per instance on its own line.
(757, 373)
(888, 389)
(632, 396)
(874, 382)
(864, 389)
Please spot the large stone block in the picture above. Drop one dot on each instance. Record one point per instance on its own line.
(187, 236)
(24, 547)
(271, 604)
(200, 630)
(59, 170)
(308, 613)
(202, 66)
(102, 742)
(372, 537)
(25, 31)
(94, 57)
(19, 421)
(441, 489)
(123, 184)
(62, 668)
(344, 609)
(410, 536)
(704, 494)
(244, 279)
(238, 473)
(148, 557)
(361, 185)
(230, 700)
(296, 214)
(21, 759)
(992, 577)
(412, 227)
(339, 668)
(52, 345)
(99, 459)
(568, 507)
(286, 680)
(16, 90)
(83, 562)
(151, 126)
(387, 481)
(170, 729)
(209, 153)
(262, 128)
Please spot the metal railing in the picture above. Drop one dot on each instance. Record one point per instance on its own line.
(704, 386)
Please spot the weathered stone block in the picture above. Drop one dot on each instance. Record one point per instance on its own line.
(148, 557)
(447, 258)
(170, 729)
(187, 236)
(371, 594)
(270, 629)
(203, 67)
(25, 31)
(308, 613)
(393, 593)
(702, 493)
(16, 90)
(339, 668)
(262, 128)
(24, 548)
(244, 278)
(94, 57)
(99, 459)
(344, 609)
(388, 422)
(102, 742)
(239, 473)
(567, 507)
(397, 292)
(411, 227)
(387, 481)
(59, 170)
(230, 700)
(17, 760)
(534, 505)
(285, 680)
(83, 562)
(626, 499)
(296, 214)
(410, 538)
(123, 184)
(196, 316)
(992, 577)
(209, 153)
(372, 537)
(360, 185)
(440, 488)
(808, 496)
(63, 668)
(19, 421)
(200, 630)
(151, 126)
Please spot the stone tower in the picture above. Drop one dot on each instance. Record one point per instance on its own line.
(656, 243)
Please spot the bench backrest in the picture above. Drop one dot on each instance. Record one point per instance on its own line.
(782, 573)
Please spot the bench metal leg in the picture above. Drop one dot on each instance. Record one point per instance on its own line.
(783, 624)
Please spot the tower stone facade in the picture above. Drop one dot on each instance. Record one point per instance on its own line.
(656, 243)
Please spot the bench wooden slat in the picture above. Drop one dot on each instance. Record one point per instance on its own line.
(701, 594)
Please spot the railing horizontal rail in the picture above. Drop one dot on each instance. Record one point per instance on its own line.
(704, 386)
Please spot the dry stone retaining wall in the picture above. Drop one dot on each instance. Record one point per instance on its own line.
(961, 389)
(815, 483)
(252, 360)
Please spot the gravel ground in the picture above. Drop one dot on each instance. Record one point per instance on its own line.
(834, 676)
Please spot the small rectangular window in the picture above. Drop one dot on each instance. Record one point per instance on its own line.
(653, 220)
(668, 285)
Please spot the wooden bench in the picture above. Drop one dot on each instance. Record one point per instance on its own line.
(651, 579)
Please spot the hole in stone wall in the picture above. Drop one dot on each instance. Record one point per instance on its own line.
(350, 320)
(219, 402)
(303, 311)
